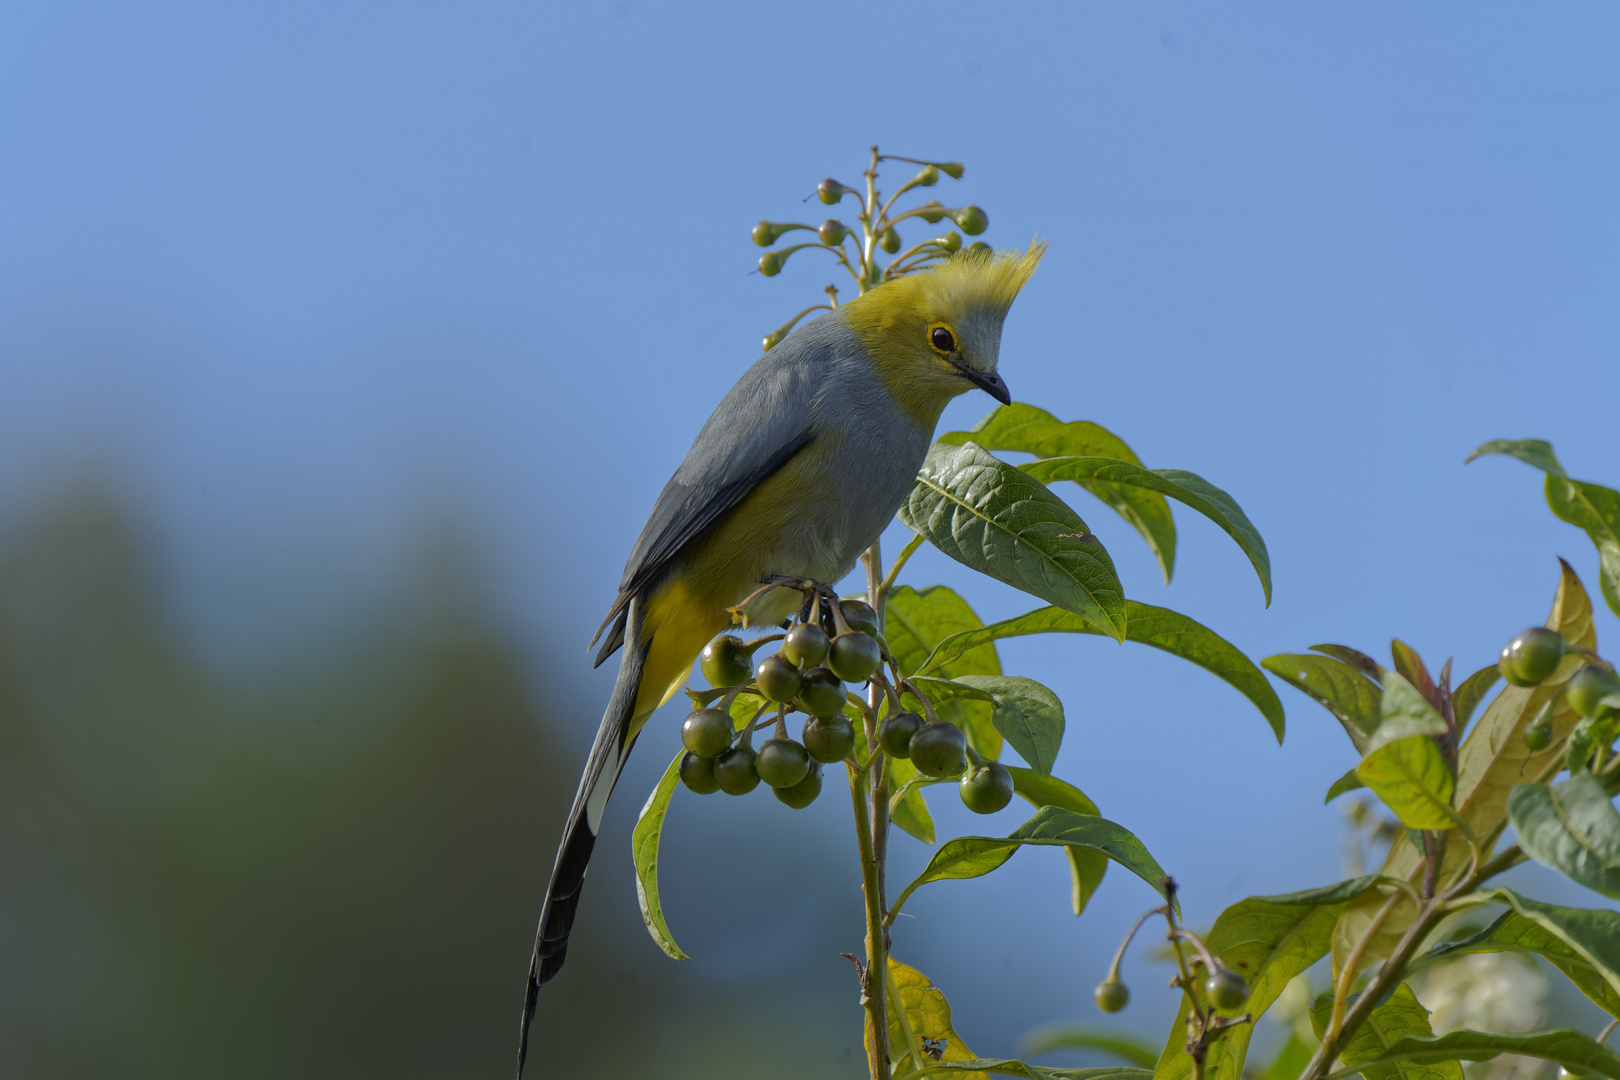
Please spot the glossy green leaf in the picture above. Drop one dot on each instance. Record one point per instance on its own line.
(1402, 713)
(1399, 1016)
(1027, 714)
(1412, 778)
(1125, 1047)
(1349, 695)
(644, 845)
(1026, 429)
(915, 622)
(1466, 698)
(995, 519)
(1575, 1051)
(1583, 944)
(1592, 508)
(1268, 940)
(1052, 826)
(917, 1009)
(1086, 867)
(1158, 627)
(1571, 826)
(1355, 658)
(1184, 487)
(1348, 782)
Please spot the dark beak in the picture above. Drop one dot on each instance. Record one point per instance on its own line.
(989, 382)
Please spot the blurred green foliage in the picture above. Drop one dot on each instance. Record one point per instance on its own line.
(331, 874)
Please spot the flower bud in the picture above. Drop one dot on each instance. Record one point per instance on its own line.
(932, 212)
(832, 232)
(928, 177)
(978, 247)
(830, 191)
(951, 241)
(889, 241)
(971, 220)
(952, 169)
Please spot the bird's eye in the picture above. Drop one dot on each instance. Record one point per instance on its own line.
(942, 339)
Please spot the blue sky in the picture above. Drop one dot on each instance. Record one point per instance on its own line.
(304, 278)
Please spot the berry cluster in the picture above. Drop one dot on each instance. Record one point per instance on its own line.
(1593, 691)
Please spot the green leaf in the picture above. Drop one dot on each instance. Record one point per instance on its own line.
(1537, 452)
(911, 813)
(1339, 688)
(1028, 715)
(1052, 826)
(1355, 658)
(1348, 782)
(1128, 1048)
(1575, 1051)
(1412, 778)
(993, 518)
(1571, 826)
(1184, 487)
(1026, 429)
(1010, 1067)
(644, 846)
(1590, 507)
(1402, 713)
(1466, 698)
(1268, 940)
(1086, 867)
(915, 622)
(1399, 1016)
(1584, 945)
(916, 1004)
(1159, 627)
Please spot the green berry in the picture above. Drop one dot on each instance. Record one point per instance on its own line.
(832, 232)
(978, 247)
(889, 241)
(854, 656)
(895, 733)
(829, 738)
(805, 645)
(830, 191)
(697, 773)
(778, 679)
(726, 661)
(858, 614)
(822, 694)
(1112, 994)
(770, 263)
(986, 789)
(706, 732)
(1588, 687)
(782, 763)
(803, 793)
(1538, 736)
(1531, 657)
(765, 234)
(1226, 989)
(971, 220)
(734, 771)
(938, 749)
(951, 241)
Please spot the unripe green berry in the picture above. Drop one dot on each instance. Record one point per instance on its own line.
(1531, 657)
(830, 191)
(706, 732)
(971, 220)
(829, 738)
(858, 615)
(1588, 687)
(854, 656)
(725, 661)
(1112, 994)
(889, 241)
(778, 679)
(951, 241)
(697, 773)
(1226, 989)
(938, 749)
(895, 733)
(986, 789)
(978, 247)
(822, 694)
(770, 263)
(805, 645)
(832, 232)
(1538, 736)
(765, 234)
(803, 793)
(782, 763)
(734, 771)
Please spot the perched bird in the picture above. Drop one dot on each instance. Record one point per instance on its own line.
(796, 473)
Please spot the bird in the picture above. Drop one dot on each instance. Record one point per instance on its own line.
(795, 474)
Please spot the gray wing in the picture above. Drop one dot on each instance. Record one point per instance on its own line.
(754, 431)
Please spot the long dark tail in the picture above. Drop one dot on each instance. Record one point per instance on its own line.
(608, 755)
